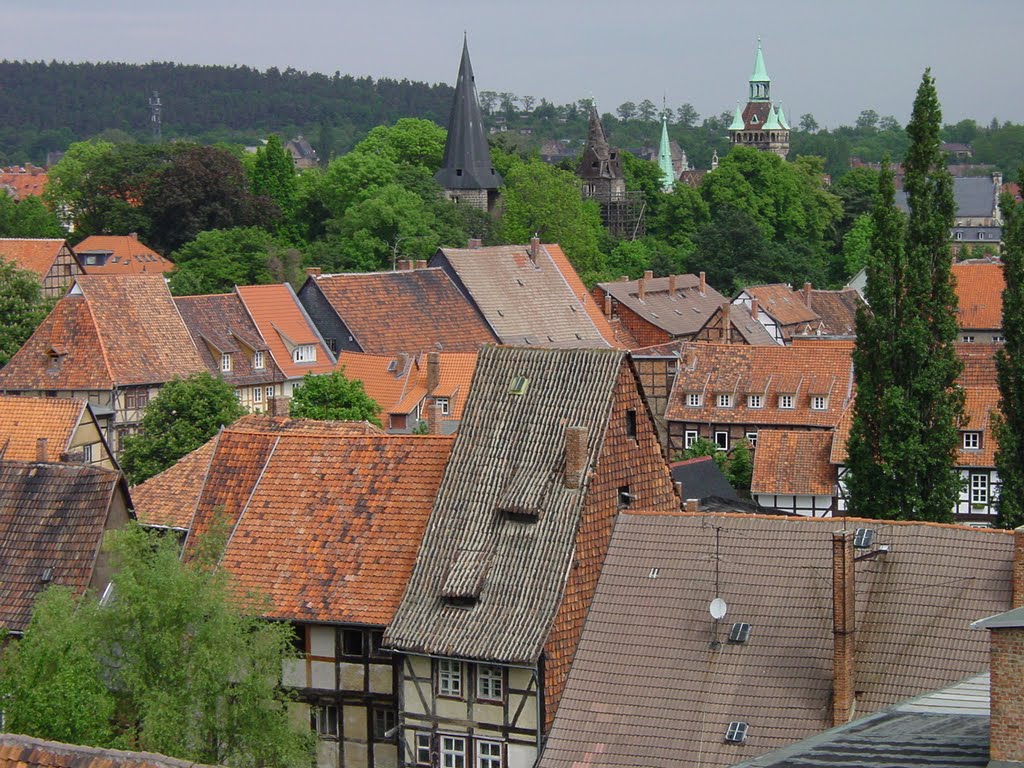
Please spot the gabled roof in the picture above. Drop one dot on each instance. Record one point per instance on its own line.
(128, 256)
(701, 478)
(822, 368)
(23, 420)
(23, 182)
(672, 703)
(975, 196)
(407, 311)
(52, 518)
(779, 300)
(34, 254)
(467, 158)
(219, 324)
(836, 311)
(979, 292)
(284, 325)
(509, 454)
(793, 463)
(679, 313)
(26, 752)
(111, 330)
(170, 499)
(542, 303)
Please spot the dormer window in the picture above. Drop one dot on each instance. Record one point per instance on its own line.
(225, 363)
(257, 361)
(786, 401)
(755, 401)
(972, 441)
(959, 235)
(819, 403)
(693, 399)
(725, 401)
(443, 404)
(304, 353)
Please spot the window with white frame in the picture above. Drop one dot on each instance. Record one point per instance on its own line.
(967, 339)
(304, 353)
(693, 399)
(785, 401)
(489, 683)
(690, 438)
(755, 401)
(752, 439)
(443, 404)
(324, 720)
(225, 362)
(449, 678)
(257, 394)
(722, 440)
(257, 361)
(270, 391)
(423, 749)
(998, 339)
(488, 754)
(453, 752)
(979, 488)
(972, 441)
(725, 401)
(819, 403)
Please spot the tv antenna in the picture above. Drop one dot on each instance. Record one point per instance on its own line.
(155, 108)
(718, 607)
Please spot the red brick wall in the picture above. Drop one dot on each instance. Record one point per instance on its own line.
(623, 461)
(645, 333)
(1007, 720)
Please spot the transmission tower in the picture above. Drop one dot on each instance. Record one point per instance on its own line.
(154, 115)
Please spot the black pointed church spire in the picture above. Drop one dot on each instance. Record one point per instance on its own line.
(467, 159)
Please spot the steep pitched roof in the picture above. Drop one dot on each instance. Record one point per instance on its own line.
(23, 420)
(516, 569)
(542, 303)
(672, 703)
(52, 518)
(701, 478)
(407, 311)
(284, 325)
(681, 312)
(467, 158)
(836, 311)
(26, 752)
(823, 368)
(780, 301)
(975, 196)
(129, 256)
(979, 292)
(792, 462)
(111, 330)
(219, 324)
(34, 254)
(598, 160)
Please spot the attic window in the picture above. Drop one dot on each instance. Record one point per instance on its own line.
(47, 575)
(465, 579)
(624, 498)
(458, 171)
(519, 385)
(631, 423)
(739, 633)
(304, 353)
(863, 537)
(736, 733)
(392, 366)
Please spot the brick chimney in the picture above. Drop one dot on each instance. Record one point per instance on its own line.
(474, 242)
(641, 287)
(703, 284)
(844, 628)
(1017, 599)
(403, 265)
(726, 333)
(755, 308)
(807, 295)
(672, 287)
(41, 448)
(1006, 694)
(421, 264)
(608, 306)
(312, 271)
(692, 505)
(433, 371)
(534, 249)
(434, 419)
(575, 455)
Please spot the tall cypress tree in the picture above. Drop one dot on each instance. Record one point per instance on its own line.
(1009, 426)
(908, 410)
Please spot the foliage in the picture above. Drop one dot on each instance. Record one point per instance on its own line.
(728, 247)
(28, 218)
(409, 140)
(1009, 427)
(908, 407)
(218, 260)
(740, 469)
(22, 307)
(703, 447)
(273, 177)
(333, 397)
(169, 665)
(184, 415)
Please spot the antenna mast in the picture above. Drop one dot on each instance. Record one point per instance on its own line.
(154, 115)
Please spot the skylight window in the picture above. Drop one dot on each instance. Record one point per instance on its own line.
(737, 732)
(519, 385)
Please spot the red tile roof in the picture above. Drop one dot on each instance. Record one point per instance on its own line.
(407, 311)
(129, 256)
(793, 463)
(23, 420)
(979, 290)
(284, 325)
(23, 182)
(783, 303)
(26, 752)
(36, 255)
(679, 313)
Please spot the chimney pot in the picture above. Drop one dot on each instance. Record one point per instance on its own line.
(693, 505)
(312, 271)
(433, 371)
(671, 286)
(703, 284)
(575, 455)
(534, 248)
(807, 295)
(754, 308)
(608, 306)
(434, 419)
(41, 444)
(474, 242)
(844, 628)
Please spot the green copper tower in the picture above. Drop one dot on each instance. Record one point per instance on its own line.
(668, 174)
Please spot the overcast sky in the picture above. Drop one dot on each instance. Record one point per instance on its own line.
(831, 58)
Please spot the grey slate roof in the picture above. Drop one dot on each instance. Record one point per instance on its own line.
(682, 313)
(509, 453)
(647, 689)
(467, 158)
(974, 195)
(701, 479)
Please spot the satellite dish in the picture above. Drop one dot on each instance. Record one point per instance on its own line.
(718, 608)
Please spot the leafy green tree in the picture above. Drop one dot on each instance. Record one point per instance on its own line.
(856, 191)
(1009, 427)
(678, 217)
(867, 119)
(629, 257)
(857, 245)
(687, 116)
(740, 469)
(333, 397)
(184, 415)
(22, 307)
(28, 218)
(908, 407)
(808, 124)
(65, 192)
(410, 140)
(647, 110)
(274, 177)
(170, 665)
(626, 111)
(218, 260)
(727, 246)
(704, 447)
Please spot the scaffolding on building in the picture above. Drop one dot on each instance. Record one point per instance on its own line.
(622, 213)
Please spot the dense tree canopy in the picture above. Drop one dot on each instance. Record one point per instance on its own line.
(22, 307)
(333, 397)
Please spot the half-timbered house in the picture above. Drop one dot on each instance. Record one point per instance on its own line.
(52, 429)
(51, 259)
(553, 444)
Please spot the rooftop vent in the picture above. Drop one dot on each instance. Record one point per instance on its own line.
(47, 576)
(740, 632)
(736, 733)
(862, 538)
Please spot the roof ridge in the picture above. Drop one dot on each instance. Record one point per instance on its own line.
(248, 501)
(202, 490)
(99, 336)
(838, 520)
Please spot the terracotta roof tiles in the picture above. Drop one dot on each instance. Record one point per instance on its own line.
(284, 325)
(23, 420)
(680, 313)
(26, 752)
(791, 462)
(36, 255)
(129, 256)
(979, 291)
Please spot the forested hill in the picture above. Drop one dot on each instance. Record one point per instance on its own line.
(47, 106)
